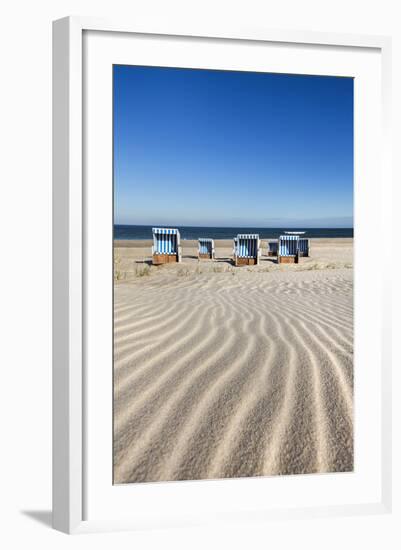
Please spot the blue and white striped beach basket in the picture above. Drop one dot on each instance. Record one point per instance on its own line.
(246, 249)
(166, 243)
(288, 250)
(272, 248)
(205, 248)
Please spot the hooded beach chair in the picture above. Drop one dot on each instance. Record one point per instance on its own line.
(272, 247)
(166, 246)
(246, 249)
(205, 249)
(304, 247)
(288, 250)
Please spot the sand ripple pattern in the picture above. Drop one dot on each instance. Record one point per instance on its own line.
(224, 376)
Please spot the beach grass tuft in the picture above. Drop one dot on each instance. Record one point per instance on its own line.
(142, 271)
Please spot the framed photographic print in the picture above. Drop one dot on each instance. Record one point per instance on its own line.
(221, 342)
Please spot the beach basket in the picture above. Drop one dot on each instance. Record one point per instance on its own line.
(246, 249)
(166, 246)
(288, 250)
(205, 249)
(272, 247)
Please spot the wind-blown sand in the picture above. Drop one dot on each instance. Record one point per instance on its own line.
(232, 372)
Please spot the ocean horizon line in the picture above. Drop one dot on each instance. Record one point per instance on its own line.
(192, 232)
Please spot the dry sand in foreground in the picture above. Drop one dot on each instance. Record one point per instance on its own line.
(231, 372)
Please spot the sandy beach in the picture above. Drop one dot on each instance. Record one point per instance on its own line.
(223, 371)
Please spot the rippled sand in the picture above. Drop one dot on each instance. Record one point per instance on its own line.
(233, 372)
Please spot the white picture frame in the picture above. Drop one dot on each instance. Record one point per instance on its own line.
(70, 258)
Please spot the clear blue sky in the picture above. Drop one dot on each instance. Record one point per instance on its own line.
(219, 148)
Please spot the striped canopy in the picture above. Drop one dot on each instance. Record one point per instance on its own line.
(165, 231)
(288, 245)
(165, 240)
(246, 245)
(273, 245)
(205, 245)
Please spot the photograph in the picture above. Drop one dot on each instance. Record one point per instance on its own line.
(233, 229)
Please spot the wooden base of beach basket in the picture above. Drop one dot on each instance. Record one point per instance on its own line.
(245, 261)
(270, 253)
(159, 259)
(205, 257)
(287, 259)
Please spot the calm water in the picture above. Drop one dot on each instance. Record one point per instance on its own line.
(144, 232)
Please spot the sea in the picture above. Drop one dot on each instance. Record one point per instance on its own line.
(144, 232)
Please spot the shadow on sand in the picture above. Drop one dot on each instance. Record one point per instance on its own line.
(142, 262)
(40, 516)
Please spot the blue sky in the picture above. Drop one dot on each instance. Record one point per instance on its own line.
(219, 148)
